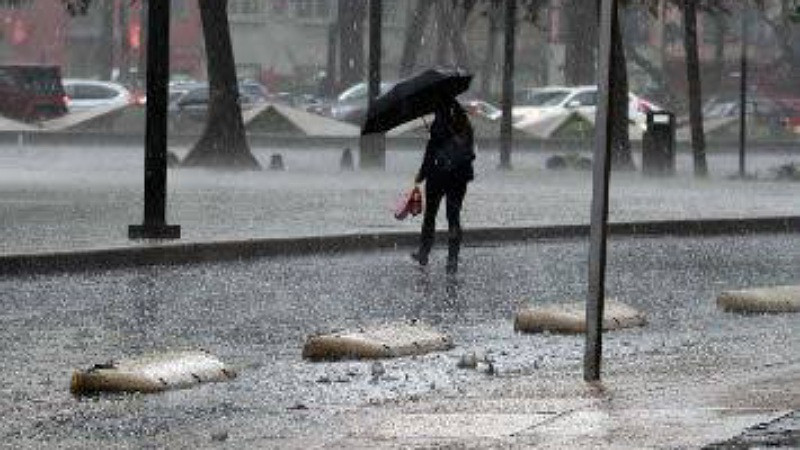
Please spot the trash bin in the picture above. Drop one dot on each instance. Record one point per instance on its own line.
(658, 144)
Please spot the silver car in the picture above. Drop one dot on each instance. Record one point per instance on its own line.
(84, 94)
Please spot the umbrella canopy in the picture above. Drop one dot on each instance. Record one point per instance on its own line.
(414, 97)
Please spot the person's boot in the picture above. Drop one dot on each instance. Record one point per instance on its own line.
(420, 258)
(452, 266)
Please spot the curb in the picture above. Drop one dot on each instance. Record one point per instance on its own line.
(200, 252)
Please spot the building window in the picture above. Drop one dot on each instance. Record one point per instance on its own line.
(391, 13)
(245, 7)
(312, 9)
(304, 9)
(280, 7)
(323, 9)
(16, 4)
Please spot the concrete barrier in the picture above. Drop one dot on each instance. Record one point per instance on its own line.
(777, 299)
(198, 252)
(151, 373)
(570, 318)
(386, 341)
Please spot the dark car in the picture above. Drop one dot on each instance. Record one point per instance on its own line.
(254, 90)
(31, 93)
(188, 104)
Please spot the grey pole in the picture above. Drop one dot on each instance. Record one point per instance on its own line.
(373, 146)
(743, 95)
(155, 157)
(506, 132)
(599, 214)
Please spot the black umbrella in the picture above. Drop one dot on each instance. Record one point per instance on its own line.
(414, 97)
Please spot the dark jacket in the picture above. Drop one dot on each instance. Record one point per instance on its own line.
(442, 136)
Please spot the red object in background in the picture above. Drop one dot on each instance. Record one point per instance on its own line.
(409, 203)
(18, 33)
(134, 39)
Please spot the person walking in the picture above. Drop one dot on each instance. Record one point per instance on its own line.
(446, 170)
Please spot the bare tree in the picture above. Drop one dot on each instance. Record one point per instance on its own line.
(581, 41)
(351, 16)
(413, 39)
(695, 91)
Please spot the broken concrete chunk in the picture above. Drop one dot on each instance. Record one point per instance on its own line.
(386, 341)
(775, 299)
(570, 318)
(151, 373)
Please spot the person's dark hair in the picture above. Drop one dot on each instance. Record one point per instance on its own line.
(459, 120)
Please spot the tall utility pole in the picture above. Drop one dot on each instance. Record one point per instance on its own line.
(595, 298)
(155, 157)
(506, 132)
(743, 95)
(373, 146)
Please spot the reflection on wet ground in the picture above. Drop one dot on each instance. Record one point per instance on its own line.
(256, 314)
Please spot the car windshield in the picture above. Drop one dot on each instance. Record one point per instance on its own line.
(359, 91)
(547, 98)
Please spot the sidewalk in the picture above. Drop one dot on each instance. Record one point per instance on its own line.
(65, 198)
(627, 410)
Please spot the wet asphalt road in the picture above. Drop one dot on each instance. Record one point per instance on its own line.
(256, 314)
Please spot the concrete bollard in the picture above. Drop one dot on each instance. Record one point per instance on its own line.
(386, 341)
(570, 318)
(276, 162)
(771, 299)
(151, 373)
(346, 163)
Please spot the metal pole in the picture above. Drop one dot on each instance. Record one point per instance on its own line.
(373, 146)
(743, 95)
(506, 132)
(599, 218)
(155, 158)
(329, 89)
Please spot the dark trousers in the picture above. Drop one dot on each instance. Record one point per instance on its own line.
(454, 194)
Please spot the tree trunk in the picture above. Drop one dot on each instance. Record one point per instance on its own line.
(509, 50)
(329, 87)
(107, 41)
(124, 48)
(720, 25)
(458, 23)
(351, 15)
(443, 31)
(223, 144)
(621, 155)
(581, 42)
(695, 93)
(489, 61)
(373, 146)
(413, 40)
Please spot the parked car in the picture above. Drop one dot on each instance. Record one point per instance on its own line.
(189, 102)
(31, 93)
(776, 114)
(482, 108)
(84, 95)
(351, 104)
(254, 90)
(532, 103)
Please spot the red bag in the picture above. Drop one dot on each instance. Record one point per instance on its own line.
(409, 203)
